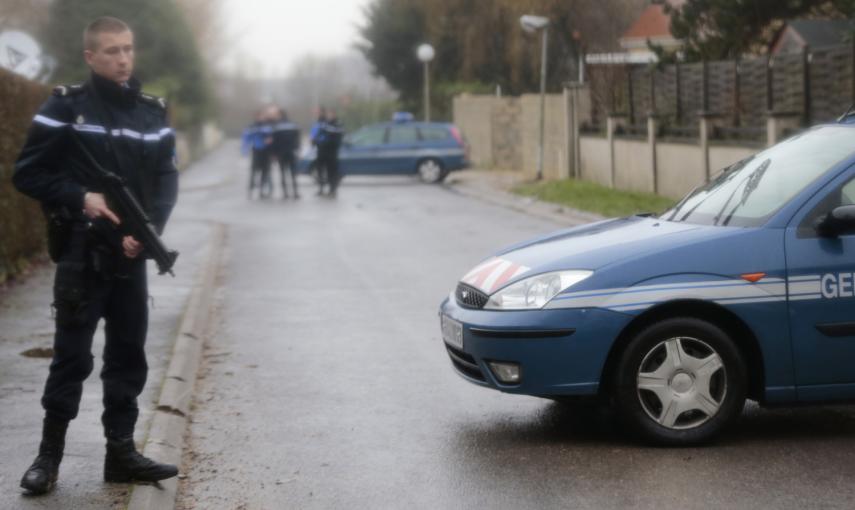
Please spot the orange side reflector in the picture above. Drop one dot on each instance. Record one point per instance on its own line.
(753, 277)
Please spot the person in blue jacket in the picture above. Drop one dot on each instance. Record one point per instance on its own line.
(333, 132)
(317, 135)
(257, 140)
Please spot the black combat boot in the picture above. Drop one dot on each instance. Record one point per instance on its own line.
(124, 464)
(41, 477)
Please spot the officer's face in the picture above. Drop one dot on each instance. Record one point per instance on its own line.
(113, 56)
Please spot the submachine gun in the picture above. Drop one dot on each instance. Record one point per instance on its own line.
(135, 222)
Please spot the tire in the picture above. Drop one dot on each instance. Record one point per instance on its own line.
(680, 382)
(431, 171)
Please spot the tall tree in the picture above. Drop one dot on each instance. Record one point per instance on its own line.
(480, 45)
(393, 31)
(718, 29)
(168, 61)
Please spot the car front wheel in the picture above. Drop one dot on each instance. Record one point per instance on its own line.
(680, 381)
(431, 171)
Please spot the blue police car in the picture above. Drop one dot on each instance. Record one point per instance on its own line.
(401, 147)
(744, 289)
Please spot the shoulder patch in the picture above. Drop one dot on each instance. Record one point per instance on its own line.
(153, 100)
(67, 90)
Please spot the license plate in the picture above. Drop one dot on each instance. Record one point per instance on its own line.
(452, 332)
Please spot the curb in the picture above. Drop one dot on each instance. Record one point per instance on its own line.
(166, 434)
(527, 205)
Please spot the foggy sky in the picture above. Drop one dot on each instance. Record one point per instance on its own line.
(269, 36)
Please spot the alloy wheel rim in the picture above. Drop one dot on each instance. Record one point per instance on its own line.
(681, 383)
(429, 170)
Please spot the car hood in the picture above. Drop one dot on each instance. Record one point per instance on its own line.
(589, 247)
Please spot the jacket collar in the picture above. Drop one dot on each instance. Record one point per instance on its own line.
(111, 92)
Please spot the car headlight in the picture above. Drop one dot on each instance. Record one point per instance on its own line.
(533, 293)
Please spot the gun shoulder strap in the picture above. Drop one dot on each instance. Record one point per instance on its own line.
(108, 122)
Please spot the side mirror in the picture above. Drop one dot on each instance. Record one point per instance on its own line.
(839, 221)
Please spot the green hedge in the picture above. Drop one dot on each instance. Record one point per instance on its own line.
(22, 233)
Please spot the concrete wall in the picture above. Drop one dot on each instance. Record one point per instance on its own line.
(555, 158)
(504, 133)
(633, 165)
(596, 159)
(724, 156)
(680, 168)
(473, 115)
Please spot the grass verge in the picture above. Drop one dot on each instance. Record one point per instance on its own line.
(591, 197)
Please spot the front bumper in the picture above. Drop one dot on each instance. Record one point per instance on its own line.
(560, 351)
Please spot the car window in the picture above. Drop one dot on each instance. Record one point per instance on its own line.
(403, 134)
(368, 136)
(749, 192)
(842, 195)
(847, 193)
(434, 134)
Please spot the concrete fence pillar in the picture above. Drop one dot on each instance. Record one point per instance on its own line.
(569, 138)
(613, 122)
(573, 108)
(652, 133)
(705, 133)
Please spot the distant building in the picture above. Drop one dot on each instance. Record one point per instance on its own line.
(652, 26)
(814, 33)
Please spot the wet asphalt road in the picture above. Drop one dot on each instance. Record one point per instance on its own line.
(326, 385)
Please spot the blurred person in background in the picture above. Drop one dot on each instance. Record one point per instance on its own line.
(257, 141)
(286, 141)
(328, 150)
(317, 135)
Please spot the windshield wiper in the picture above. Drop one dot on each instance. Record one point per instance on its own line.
(753, 181)
(723, 176)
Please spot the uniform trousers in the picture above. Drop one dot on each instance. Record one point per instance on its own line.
(123, 304)
(288, 164)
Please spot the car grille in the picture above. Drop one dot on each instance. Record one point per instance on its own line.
(464, 363)
(470, 297)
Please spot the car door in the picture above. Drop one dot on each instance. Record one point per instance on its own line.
(821, 298)
(402, 150)
(360, 152)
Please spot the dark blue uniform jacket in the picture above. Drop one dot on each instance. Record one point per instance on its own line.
(135, 123)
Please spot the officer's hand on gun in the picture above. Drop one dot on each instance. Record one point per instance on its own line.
(131, 246)
(94, 206)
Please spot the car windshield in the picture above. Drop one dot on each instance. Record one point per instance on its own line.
(749, 192)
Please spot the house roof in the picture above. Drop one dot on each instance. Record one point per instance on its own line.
(654, 22)
(823, 32)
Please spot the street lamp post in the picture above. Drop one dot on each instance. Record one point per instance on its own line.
(531, 23)
(425, 53)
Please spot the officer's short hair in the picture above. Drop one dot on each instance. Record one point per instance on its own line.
(102, 25)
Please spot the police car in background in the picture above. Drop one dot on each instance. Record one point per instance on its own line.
(744, 289)
(401, 147)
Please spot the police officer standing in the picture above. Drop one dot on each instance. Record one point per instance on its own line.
(318, 137)
(334, 133)
(327, 135)
(257, 141)
(101, 273)
(286, 141)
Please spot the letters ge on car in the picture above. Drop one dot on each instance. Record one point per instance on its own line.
(744, 289)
